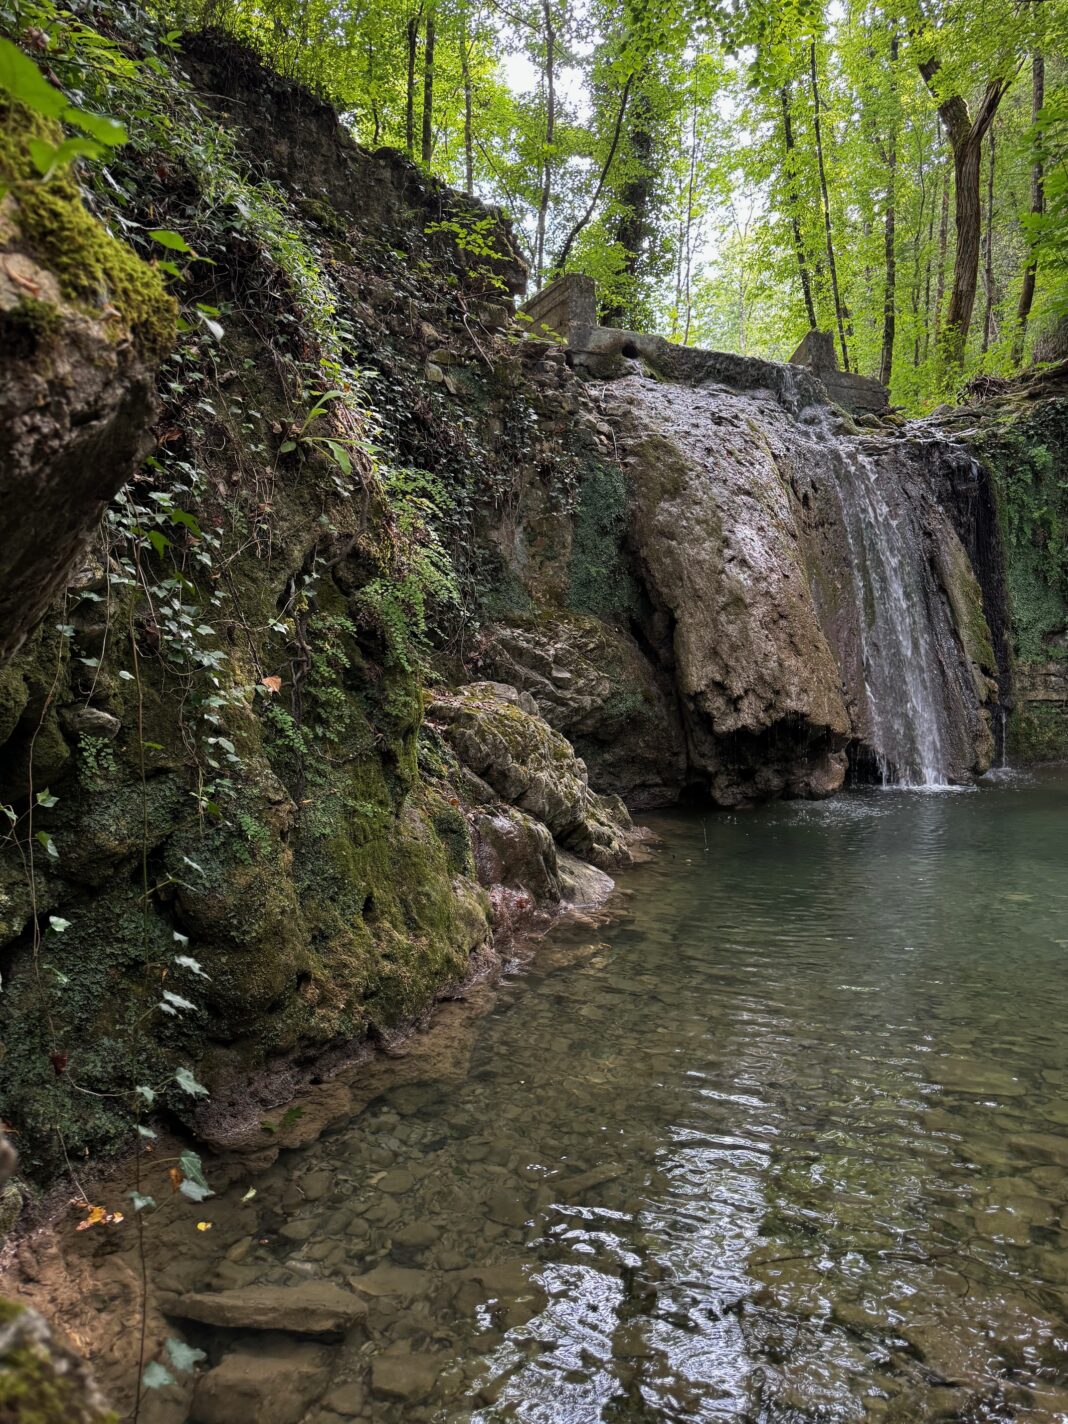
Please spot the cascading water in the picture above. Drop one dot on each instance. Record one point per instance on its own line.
(899, 646)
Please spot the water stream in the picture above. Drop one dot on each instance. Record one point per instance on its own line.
(788, 1142)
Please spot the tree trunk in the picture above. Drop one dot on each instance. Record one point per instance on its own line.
(966, 138)
(794, 201)
(832, 265)
(886, 362)
(988, 310)
(465, 74)
(943, 247)
(635, 199)
(1038, 207)
(550, 138)
(409, 105)
(428, 90)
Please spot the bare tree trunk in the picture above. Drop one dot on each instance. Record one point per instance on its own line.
(886, 362)
(375, 115)
(832, 265)
(794, 200)
(943, 247)
(565, 251)
(1038, 207)
(988, 273)
(465, 74)
(689, 222)
(428, 89)
(409, 104)
(966, 137)
(550, 137)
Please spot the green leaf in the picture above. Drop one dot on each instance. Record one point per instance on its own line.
(58, 923)
(106, 130)
(341, 455)
(141, 1202)
(158, 541)
(145, 1132)
(46, 799)
(146, 1092)
(184, 1357)
(286, 446)
(192, 1168)
(157, 1376)
(172, 240)
(21, 78)
(49, 844)
(189, 1084)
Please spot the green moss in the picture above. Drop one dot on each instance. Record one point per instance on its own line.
(1038, 732)
(36, 1388)
(1024, 453)
(91, 267)
(600, 582)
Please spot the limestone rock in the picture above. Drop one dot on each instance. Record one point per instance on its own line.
(593, 683)
(513, 849)
(272, 1384)
(497, 734)
(314, 1308)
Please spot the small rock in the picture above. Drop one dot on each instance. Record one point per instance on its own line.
(506, 1209)
(347, 1399)
(317, 1184)
(396, 1181)
(434, 374)
(417, 1235)
(90, 722)
(408, 1377)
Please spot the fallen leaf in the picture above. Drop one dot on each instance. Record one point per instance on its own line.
(205, 1225)
(272, 684)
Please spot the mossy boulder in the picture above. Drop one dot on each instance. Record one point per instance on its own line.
(593, 684)
(497, 732)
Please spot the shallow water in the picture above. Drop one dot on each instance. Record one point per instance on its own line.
(787, 1143)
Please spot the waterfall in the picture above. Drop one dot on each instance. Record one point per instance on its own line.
(899, 646)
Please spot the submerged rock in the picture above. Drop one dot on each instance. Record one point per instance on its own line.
(272, 1383)
(316, 1308)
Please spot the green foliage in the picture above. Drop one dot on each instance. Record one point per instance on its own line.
(599, 581)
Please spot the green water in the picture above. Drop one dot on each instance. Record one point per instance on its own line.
(788, 1142)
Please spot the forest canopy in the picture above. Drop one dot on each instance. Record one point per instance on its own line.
(731, 174)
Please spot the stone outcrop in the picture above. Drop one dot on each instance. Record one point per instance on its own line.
(83, 325)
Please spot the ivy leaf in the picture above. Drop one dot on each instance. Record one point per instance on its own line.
(192, 1169)
(143, 1131)
(194, 1191)
(158, 541)
(188, 962)
(184, 1357)
(175, 1003)
(58, 923)
(146, 1092)
(140, 1203)
(49, 844)
(189, 1084)
(46, 799)
(157, 1376)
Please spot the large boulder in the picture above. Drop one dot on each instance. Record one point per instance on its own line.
(497, 732)
(592, 683)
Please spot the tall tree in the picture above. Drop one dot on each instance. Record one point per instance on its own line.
(1038, 207)
(966, 133)
(839, 309)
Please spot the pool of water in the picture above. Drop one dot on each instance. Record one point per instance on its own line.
(787, 1142)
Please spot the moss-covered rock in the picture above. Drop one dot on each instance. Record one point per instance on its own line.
(42, 1381)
